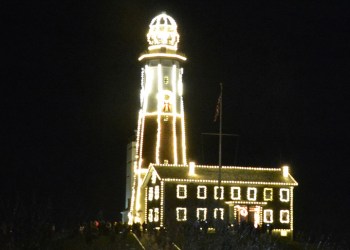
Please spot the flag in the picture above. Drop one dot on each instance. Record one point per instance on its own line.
(217, 110)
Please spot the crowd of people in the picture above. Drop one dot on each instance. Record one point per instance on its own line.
(197, 234)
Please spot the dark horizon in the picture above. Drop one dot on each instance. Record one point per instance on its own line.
(71, 98)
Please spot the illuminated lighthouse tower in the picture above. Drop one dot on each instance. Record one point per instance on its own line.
(161, 124)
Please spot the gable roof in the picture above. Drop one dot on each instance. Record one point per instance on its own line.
(229, 175)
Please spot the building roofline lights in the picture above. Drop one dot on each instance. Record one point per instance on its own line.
(228, 182)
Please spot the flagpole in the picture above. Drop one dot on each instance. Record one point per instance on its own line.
(220, 138)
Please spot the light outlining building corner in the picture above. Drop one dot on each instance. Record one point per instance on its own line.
(160, 135)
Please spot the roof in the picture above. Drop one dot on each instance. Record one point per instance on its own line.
(229, 175)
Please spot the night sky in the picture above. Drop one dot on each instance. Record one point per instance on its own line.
(71, 97)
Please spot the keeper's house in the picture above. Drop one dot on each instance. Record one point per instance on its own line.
(177, 194)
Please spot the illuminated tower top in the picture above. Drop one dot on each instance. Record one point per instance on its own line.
(163, 33)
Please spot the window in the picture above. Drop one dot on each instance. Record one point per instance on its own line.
(181, 191)
(167, 104)
(166, 79)
(201, 192)
(219, 213)
(154, 177)
(251, 194)
(235, 193)
(284, 194)
(268, 216)
(150, 193)
(181, 214)
(218, 193)
(201, 213)
(268, 194)
(156, 192)
(284, 216)
(156, 215)
(150, 215)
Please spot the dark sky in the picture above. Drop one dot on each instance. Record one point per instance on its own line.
(71, 95)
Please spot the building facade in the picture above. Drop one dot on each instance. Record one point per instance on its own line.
(168, 190)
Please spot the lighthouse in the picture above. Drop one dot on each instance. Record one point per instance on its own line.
(161, 137)
(167, 190)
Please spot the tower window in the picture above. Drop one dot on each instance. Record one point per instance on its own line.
(166, 80)
(167, 104)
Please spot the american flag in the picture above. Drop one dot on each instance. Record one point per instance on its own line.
(217, 111)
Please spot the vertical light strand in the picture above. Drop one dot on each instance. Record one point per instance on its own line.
(159, 110)
(260, 216)
(138, 197)
(161, 203)
(142, 124)
(145, 209)
(174, 95)
(142, 92)
(235, 213)
(132, 202)
(138, 135)
(148, 88)
(183, 139)
(291, 209)
(136, 165)
(135, 201)
(143, 111)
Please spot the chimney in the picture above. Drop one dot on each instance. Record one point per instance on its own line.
(191, 168)
(285, 171)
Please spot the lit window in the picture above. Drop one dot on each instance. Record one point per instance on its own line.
(166, 80)
(156, 192)
(268, 216)
(156, 215)
(219, 213)
(284, 194)
(284, 216)
(268, 194)
(201, 192)
(150, 193)
(181, 214)
(181, 191)
(154, 177)
(167, 104)
(251, 194)
(235, 193)
(201, 213)
(218, 193)
(150, 215)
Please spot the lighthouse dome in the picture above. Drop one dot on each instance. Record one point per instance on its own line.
(163, 32)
